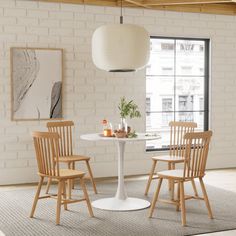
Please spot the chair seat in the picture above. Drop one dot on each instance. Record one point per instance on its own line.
(70, 174)
(73, 158)
(173, 174)
(168, 158)
(65, 174)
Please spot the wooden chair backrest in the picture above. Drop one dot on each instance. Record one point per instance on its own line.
(196, 152)
(47, 153)
(177, 131)
(64, 129)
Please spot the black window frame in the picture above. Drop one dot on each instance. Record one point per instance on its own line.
(206, 81)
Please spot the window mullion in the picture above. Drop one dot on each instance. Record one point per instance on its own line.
(175, 81)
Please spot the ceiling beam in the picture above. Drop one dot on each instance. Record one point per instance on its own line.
(182, 2)
(89, 2)
(110, 3)
(137, 3)
(223, 9)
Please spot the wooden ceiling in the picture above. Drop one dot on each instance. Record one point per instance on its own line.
(225, 7)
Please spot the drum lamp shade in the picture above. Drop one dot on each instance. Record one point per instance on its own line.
(120, 47)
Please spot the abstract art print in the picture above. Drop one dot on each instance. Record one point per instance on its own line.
(36, 88)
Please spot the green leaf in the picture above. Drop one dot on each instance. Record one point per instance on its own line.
(128, 109)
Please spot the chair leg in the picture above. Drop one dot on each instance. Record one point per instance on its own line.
(182, 203)
(69, 184)
(194, 188)
(150, 176)
(73, 181)
(59, 193)
(172, 184)
(178, 197)
(206, 198)
(48, 185)
(64, 195)
(86, 197)
(169, 181)
(70, 167)
(155, 197)
(36, 198)
(91, 177)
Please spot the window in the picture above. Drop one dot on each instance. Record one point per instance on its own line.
(201, 48)
(167, 68)
(148, 106)
(186, 69)
(186, 104)
(166, 104)
(167, 46)
(187, 46)
(201, 105)
(201, 70)
(177, 84)
(166, 108)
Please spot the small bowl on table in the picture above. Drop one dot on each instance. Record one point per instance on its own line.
(120, 134)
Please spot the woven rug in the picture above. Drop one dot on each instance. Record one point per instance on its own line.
(15, 206)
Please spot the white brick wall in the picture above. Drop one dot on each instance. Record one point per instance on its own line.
(91, 94)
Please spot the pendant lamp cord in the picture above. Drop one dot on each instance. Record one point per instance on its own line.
(121, 12)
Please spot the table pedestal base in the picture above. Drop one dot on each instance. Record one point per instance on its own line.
(114, 204)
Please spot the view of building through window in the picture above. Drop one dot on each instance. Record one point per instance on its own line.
(176, 85)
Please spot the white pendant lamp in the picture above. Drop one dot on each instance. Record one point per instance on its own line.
(120, 47)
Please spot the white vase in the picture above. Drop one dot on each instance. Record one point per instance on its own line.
(123, 124)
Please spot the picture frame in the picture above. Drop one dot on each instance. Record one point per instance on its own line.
(36, 83)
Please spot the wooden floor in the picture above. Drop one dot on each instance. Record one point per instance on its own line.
(225, 179)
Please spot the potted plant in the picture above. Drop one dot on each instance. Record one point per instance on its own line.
(127, 109)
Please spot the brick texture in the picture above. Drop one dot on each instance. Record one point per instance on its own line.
(91, 94)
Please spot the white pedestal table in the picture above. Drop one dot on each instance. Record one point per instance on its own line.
(120, 202)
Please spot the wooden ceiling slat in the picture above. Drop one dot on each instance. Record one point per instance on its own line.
(210, 9)
(137, 3)
(225, 7)
(182, 2)
(89, 2)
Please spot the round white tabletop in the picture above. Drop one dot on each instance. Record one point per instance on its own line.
(121, 202)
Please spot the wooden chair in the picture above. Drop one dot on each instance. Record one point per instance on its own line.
(47, 153)
(64, 129)
(196, 152)
(176, 151)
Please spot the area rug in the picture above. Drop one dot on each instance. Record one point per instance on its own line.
(15, 206)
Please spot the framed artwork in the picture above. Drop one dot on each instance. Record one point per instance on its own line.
(36, 83)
